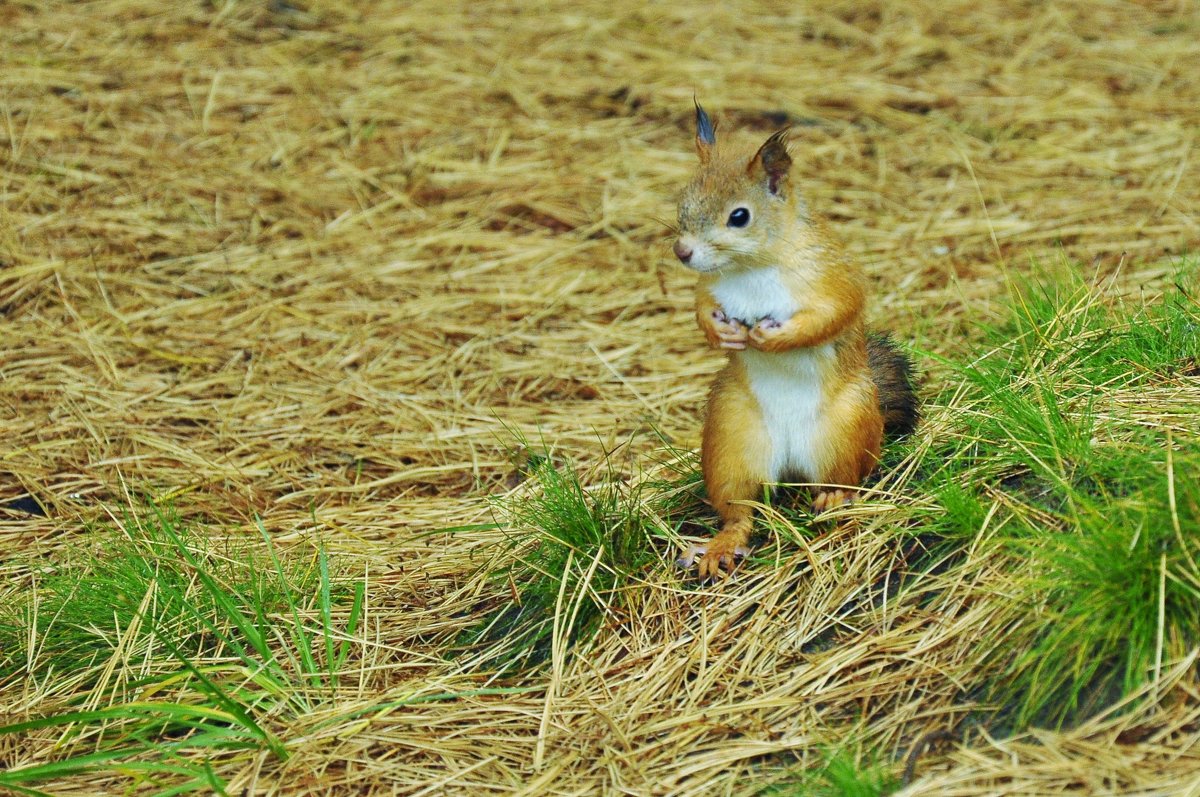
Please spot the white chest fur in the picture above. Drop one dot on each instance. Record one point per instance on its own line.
(750, 296)
(787, 386)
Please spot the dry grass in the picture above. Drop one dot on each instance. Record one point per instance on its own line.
(307, 261)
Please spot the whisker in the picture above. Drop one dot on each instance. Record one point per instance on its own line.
(669, 225)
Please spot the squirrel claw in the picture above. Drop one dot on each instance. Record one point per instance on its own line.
(688, 559)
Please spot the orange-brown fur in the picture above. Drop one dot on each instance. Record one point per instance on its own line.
(797, 253)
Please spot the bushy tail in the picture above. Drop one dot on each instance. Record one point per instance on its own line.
(892, 371)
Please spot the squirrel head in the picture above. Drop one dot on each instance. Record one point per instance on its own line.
(738, 205)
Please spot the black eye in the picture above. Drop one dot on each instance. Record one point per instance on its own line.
(740, 217)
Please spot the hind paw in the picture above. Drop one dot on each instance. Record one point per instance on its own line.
(831, 499)
(719, 555)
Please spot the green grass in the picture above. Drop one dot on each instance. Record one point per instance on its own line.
(145, 577)
(1100, 528)
(842, 773)
(1123, 590)
(170, 647)
(573, 552)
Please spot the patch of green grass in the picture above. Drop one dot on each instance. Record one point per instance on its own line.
(1121, 590)
(963, 510)
(573, 551)
(843, 773)
(1063, 330)
(1100, 527)
(182, 654)
(152, 578)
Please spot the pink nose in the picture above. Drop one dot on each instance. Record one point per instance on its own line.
(684, 253)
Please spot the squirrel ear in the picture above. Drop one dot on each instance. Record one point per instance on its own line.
(772, 161)
(706, 134)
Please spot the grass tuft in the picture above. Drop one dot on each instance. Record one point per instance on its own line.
(178, 649)
(573, 550)
(1097, 499)
(843, 773)
(1121, 589)
(149, 581)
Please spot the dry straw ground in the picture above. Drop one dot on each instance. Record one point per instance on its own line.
(308, 260)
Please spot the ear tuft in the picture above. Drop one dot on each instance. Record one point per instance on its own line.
(706, 133)
(773, 160)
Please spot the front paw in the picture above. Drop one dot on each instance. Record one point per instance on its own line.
(724, 332)
(766, 333)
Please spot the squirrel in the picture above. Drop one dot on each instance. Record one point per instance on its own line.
(807, 393)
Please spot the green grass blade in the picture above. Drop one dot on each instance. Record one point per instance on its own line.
(301, 641)
(326, 616)
(215, 692)
(68, 766)
(356, 613)
(229, 608)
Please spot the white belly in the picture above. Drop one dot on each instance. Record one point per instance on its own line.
(753, 295)
(787, 386)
